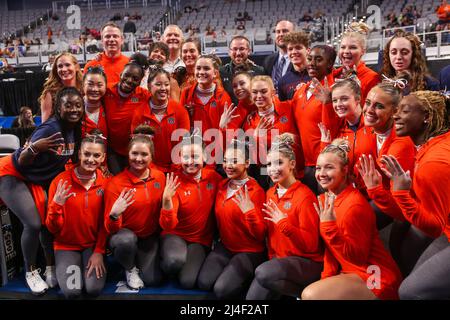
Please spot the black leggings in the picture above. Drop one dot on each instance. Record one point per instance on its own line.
(228, 274)
(17, 197)
(286, 276)
(116, 162)
(71, 273)
(131, 251)
(430, 278)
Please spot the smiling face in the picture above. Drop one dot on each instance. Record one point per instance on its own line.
(410, 118)
(139, 156)
(112, 40)
(378, 110)
(279, 167)
(94, 87)
(160, 88)
(28, 114)
(262, 94)
(189, 54)
(330, 173)
(71, 108)
(91, 156)
(205, 74)
(191, 159)
(241, 86)
(344, 101)
(400, 54)
(130, 78)
(158, 55)
(350, 51)
(234, 164)
(173, 38)
(66, 68)
(297, 54)
(318, 65)
(239, 50)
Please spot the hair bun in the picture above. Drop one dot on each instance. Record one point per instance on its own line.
(359, 27)
(342, 144)
(144, 129)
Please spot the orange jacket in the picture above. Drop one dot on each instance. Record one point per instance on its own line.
(176, 117)
(308, 114)
(119, 113)
(298, 233)
(403, 149)
(192, 217)
(88, 125)
(142, 216)
(78, 224)
(427, 205)
(354, 246)
(113, 67)
(241, 232)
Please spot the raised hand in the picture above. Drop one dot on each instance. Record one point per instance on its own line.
(321, 92)
(171, 186)
(366, 167)
(227, 115)
(124, 200)
(242, 199)
(326, 211)
(265, 123)
(62, 193)
(51, 143)
(394, 171)
(273, 212)
(325, 135)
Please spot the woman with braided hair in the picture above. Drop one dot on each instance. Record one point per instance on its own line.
(424, 201)
(403, 54)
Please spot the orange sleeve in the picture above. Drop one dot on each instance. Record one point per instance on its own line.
(306, 237)
(404, 151)
(429, 210)
(55, 213)
(254, 218)
(385, 202)
(331, 121)
(330, 265)
(102, 235)
(168, 219)
(183, 117)
(111, 196)
(351, 241)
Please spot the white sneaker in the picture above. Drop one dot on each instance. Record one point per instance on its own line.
(134, 281)
(35, 282)
(50, 276)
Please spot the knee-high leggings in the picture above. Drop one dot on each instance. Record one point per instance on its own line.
(285, 276)
(71, 273)
(131, 251)
(182, 259)
(17, 197)
(228, 274)
(430, 278)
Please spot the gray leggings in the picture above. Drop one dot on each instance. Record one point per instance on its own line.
(17, 197)
(183, 259)
(286, 276)
(71, 273)
(228, 274)
(131, 251)
(430, 278)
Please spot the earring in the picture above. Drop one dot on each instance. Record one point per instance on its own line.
(425, 121)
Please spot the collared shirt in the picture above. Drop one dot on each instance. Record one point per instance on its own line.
(170, 66)
(286, 64)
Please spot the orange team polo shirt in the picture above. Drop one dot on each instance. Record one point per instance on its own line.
(209, 114)
(176, 117)
(366, 76)
(113, 67)
(403, 149)
(241, 232)
(142, 217)
(427, 205)
(298, 233)
(78, 224)
(308, 114)
(119, 114)
(192, 217)
(88, 125)
(283, 122)
(354, 246)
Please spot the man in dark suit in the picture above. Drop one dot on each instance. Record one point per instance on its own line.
(277, 64)
(239, 51)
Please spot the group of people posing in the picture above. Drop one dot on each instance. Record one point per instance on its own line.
(321, 159)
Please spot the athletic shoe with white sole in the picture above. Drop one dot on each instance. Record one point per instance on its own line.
(50, 276)
(35, 282)
(134, 281)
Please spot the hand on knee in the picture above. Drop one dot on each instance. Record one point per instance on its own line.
(309, 293)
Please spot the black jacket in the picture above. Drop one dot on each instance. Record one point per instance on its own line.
(271, 61)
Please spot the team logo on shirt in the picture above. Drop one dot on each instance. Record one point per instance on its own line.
(283, 119)
(171, 120)
(187, 193)
(134, 99)
(287, 205)
(213, 104)
(100, 192)
(157, 185)
(209, 186)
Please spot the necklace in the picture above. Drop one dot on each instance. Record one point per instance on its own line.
(85, 177)
(209, 91)
(156, 107)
